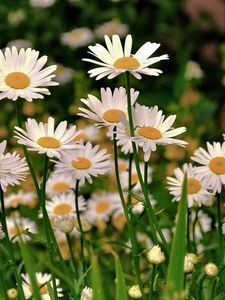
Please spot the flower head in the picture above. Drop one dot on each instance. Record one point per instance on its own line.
(211, 269)
(135, 292)
(21, 74)
(155, 256)
(44, 138)
(212, 173)
(114, 60)
(87, 293)
(83, 163)
(77, 37)
(13, 169)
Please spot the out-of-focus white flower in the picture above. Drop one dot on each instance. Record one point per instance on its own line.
(63, 74)
(155, 256)
(87, 293)
(77, 37)
(193, 71)
(211, 269)
(110, 28)
(188, 265)
(20, 198)
(20, 43)
(135, 292)
(42, 3)
(16, 17)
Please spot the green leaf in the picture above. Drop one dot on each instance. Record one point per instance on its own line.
(96, 280)
(121, 289)
(175, 274)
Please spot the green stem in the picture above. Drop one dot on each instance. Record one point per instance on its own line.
(212, 296)
(10, 247)
(152, 283)
(149, 210)
(146, 173)
(188, 230)
(46, 225)
(134, 248)
(68, 238)
(201, 281)
(193, 230)
(130, 179)
(219, 228)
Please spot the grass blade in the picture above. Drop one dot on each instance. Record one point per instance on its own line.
(96, 280)
(175, 274)
(121, 289)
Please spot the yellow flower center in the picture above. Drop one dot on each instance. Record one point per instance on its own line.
(43, 289)
(80, 136)
(113, 115)
(60, 186)
(122, 167)
(16, 230)
(102, 206)
(127, 63)
(48, 142)
(134, 178)
(16, 201)
(62, 209)
(17, 80)
(81, 163)
(217, 165)
(150, 133)
(193, 186)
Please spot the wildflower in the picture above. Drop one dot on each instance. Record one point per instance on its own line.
(188, 265)
(20, 43)
(20, 198)
(42, 3)
(110, 28)
(193, 258)
(101, 206)
(110, 109)
(135, 292)
(115, 60)
(138, 208)
(154, 129)
(155, 256)
(63, 74)
(193, 71)
(43, 138)
(83, 163)
(89, 133)
(63, 204)
(212, 173)
(12, 293)
(77, 37)
(42, 280)
(13, 169)
(196, 190)
(86, 226)
(87, 293)
(59, 184)
(211, 269)
(65, 224)
(21, 74)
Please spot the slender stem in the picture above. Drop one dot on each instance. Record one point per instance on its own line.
(152, 283)
(193, 230)
(212, 296)
(149, 210)
(10, 247)
(219, 228)
(188, 230)
(134, 248)
(68, 238)
(146, 173)
(201, 281)
(129, 179)
(45, 218)
(82, 235)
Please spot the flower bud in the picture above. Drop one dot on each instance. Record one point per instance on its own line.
(211, 269)
(155, 256)
(138, 208)
(193, 258)
(135, 292)
(188, 265)
(64, 224)
(86, 226)
(87, 293)
(12, 293)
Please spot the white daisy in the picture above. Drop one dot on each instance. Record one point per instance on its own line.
(59, 184)
(17, 227)
(203, 225)
(13, 169)
(89, 133)
(21, 74)
(83, 163)
(196, 191)
(20, 198)
(212, 173)
(110, 109)
(42, 280)
(115, 60)
(43, 138)
(63, 74)
(110, 28)
(64, 204)
(20, 43)
(101, 206)
(42, 3)
(87, 293)
(154, 129)
(77, 37)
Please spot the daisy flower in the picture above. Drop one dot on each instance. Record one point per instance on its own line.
(43, 138)
(77, 37)
(110, 109)
(21, 74)
(64, 204)
(59, 184)
(13, 200)
(101, 206)
(83, 163)
(110, 28)
(89, 133)
(13, 169)
(42, 3)
(115, 60)
(154, 129)
(42, 280)
(17, 227)
(63, 74)
(212, 173)
(196, 191)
